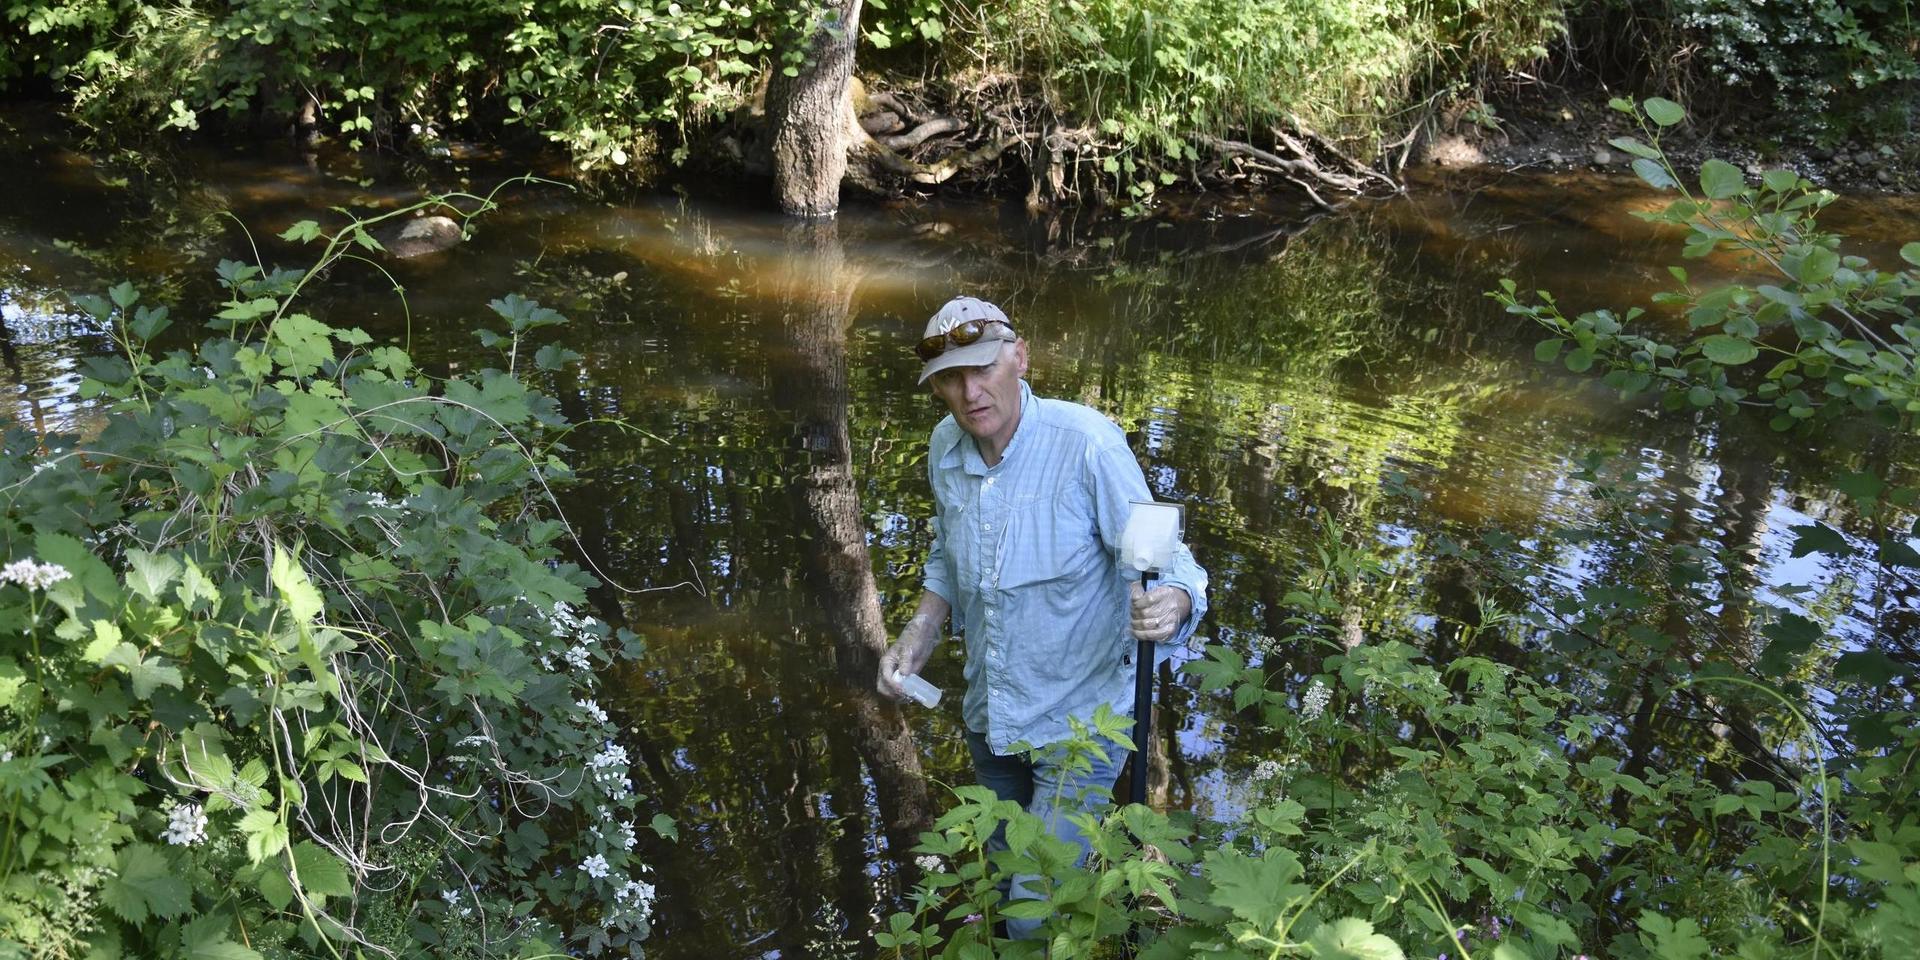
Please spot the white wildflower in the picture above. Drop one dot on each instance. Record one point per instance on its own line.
(452, 897)
(1266, 770)
(595, 866)
(628, 837)
(592, 710)
(33, 576)
(563, 621)
(609, 768)
(1313, 703)
(927, 862)
(612, 755)
(576, 657)
(640, 893)
(186, 825)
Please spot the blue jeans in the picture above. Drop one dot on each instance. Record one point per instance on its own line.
(1040, 788)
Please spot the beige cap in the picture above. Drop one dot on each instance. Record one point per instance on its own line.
(979, 353)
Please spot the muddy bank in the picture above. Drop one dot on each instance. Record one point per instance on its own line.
(1564, 130)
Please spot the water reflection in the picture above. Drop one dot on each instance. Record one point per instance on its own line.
(1284, 378)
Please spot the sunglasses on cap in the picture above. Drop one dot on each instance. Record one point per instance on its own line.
(962, 334)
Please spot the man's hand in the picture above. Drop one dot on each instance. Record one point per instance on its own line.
(1158, 613)
(908, 654)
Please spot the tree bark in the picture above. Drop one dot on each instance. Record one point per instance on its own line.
(810, 114)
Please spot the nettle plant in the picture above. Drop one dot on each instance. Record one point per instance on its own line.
(290, 661)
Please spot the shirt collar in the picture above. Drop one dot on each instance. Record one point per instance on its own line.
(965, 453)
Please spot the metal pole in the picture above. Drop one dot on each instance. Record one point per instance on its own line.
(1142, 709)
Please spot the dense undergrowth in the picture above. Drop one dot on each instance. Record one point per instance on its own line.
(291, 663)
(615, 82)
(1441, 785)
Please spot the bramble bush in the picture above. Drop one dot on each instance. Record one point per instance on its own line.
(291, 663)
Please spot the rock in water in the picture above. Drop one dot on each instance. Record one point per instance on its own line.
(421, 236)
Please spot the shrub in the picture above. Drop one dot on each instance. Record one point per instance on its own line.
(291, 662)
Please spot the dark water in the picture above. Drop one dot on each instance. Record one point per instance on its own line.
(1282, 376)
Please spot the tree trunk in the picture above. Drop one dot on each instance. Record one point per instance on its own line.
(809, 112)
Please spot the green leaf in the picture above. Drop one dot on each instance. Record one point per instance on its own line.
(208, 937)
(12, 678)
(124, 295)
(149, 574)
(1730, 351)
(320, 873)
(276, 888)
(1655, 175)
(1663, 111)
(1257, 891)
(144, 884)
(1720, 179)
(1351, 938)
(1027, 909)
(553, 357)
(1911, 253)
(664, 826)
(1672, 941)
(1870, 667)
(106, 639)
(1021, 832)
(1547, 351)
(1817, 266)
(1635, 147)
(1780, 181)
(302, 599)
(301, 232)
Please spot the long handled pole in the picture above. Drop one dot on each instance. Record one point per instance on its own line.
(1142, 709)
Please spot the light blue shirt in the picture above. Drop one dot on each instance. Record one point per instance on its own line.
(1027, 553)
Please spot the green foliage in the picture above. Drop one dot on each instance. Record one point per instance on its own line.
(1415, 810)
(1839, 334)
(289, 662)
(1150, 76)
(1811, 57)
(609, 81)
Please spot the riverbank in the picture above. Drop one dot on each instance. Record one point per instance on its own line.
(1559, 129)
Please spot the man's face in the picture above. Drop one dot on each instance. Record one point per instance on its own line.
(986, 400)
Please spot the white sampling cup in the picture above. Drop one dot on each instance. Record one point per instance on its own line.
(922, 692)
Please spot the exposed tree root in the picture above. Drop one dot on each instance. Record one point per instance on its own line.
(896, 144)
(920, 134)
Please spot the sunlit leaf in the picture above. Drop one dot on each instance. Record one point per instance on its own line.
(1664, 112)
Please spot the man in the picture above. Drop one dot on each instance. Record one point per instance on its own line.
(1030, 497)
